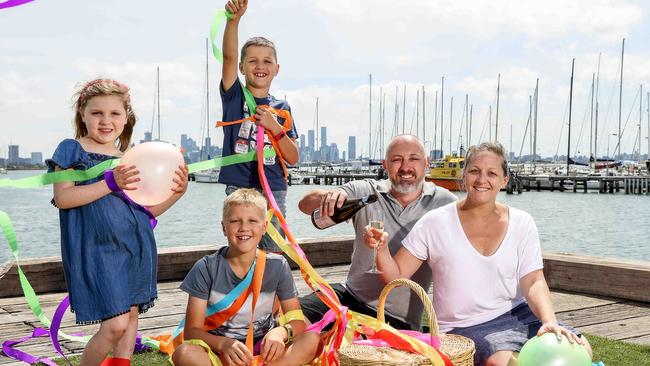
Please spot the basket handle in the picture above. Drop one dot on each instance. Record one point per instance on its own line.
(428, 306)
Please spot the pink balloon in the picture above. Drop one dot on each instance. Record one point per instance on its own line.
(157, 162)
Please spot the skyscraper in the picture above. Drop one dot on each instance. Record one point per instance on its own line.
(310, 140)
(323, 136)
(37, 158)
(302, 141)
(14, 155)
(352, 147)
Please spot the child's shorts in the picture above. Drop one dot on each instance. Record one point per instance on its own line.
(507, 332)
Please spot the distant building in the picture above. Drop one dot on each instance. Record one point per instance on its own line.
(147, 136)
(333, 155)
(323, 136)
(310, 143)
(352, 148)
(37, 158)
(14, 155)
(302, 141)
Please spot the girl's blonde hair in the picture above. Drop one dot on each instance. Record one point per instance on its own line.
(244, 196)
(99, 87)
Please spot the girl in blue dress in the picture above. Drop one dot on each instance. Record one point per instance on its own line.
(107, 242)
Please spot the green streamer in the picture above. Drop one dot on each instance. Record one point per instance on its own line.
(227, 160)
(217, 22)
(220, 16)
(60, 176)
(28, 290)
(83, 175)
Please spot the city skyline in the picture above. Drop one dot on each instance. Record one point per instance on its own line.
(470, 43)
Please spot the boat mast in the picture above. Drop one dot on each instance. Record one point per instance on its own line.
(596, 111)
(471, 112)
(620, 100)
(158, 91)
(424, 127)
(417, 114)
(648, 108)
(404, 112)
(640, 117)
(568, 152)
(396, 123)
(490, 124)
(451, 122)
(496, 127)
(442, 121)
(370, 119)
(207, 97)
(535, 124)
(316, 143)
(435, 125)
(466, 121)
(591, 123)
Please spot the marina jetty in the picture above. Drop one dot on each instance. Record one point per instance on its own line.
(600, 296)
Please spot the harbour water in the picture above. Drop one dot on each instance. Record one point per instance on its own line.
(606, 225)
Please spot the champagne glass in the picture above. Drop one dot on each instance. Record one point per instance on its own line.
(376, 218)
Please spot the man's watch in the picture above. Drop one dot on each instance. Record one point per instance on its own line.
(289, 330)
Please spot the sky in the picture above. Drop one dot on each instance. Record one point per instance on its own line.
(327, 50)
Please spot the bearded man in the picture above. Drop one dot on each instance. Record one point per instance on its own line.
(404, 198)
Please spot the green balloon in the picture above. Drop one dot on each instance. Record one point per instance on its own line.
(547, 350)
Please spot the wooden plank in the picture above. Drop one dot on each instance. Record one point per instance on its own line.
(624, 279)
(567, 301)
(46, 274)
(621, 329)
(603, 314)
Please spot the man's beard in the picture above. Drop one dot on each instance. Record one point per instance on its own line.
(406, 188)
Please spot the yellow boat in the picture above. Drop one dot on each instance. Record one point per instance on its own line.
(446, 173)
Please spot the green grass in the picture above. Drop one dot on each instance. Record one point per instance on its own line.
(612, 353)
(617, 353)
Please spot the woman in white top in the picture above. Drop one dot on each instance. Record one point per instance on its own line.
(488, 282)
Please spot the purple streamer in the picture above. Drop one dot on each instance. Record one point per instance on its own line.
(12, 3)
(56, 324)
(9, 351)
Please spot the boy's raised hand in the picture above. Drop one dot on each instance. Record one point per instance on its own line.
(237, 8)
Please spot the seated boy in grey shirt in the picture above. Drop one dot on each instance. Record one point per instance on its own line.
(219, 283)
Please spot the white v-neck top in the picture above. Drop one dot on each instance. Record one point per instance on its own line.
(468, 287)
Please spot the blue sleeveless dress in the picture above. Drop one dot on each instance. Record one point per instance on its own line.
(107, 246)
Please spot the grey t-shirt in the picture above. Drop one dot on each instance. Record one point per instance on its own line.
(212, 279)
(398, 222)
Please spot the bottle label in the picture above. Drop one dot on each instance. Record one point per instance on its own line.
(321, 222)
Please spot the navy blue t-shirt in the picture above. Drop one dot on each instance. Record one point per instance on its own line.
(241, 138)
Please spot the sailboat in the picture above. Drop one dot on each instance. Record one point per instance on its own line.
(211, 175)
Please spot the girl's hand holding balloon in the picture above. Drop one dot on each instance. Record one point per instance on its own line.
(558, 330)
(181, 180)
(125, 175)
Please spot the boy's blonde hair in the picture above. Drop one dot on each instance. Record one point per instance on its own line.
(244, 196)
(100, 87)
(259, 42)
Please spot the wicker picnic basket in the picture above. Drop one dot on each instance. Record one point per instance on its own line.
(459, 349)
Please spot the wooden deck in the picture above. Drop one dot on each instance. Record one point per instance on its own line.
(612, 318)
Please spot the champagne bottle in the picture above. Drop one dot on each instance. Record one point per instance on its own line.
(343, 213)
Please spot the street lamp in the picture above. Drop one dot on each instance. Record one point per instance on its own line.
(608, 139)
